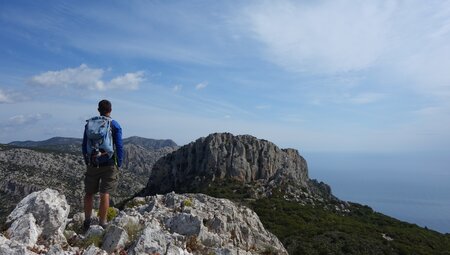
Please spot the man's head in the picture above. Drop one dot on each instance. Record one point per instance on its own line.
(104, 107)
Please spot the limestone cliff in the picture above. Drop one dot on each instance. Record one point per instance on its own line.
(244, 158)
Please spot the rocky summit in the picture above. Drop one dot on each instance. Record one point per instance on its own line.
(243, 159)
(162, 224)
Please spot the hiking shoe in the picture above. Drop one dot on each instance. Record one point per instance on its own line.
(86, 224)
(104, 225)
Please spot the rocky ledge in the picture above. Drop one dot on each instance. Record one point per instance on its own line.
(160, 224)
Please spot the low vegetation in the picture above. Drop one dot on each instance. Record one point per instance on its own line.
(314, 230)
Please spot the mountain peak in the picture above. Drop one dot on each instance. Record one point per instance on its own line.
(243, 158)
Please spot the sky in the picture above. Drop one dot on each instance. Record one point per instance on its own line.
(313, 75)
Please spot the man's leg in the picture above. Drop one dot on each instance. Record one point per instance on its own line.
(88, 204)
(104, 205)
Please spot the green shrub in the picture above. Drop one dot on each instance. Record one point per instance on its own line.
(111, 213)
(188, 202)
(133, 230)
(134, 203)
(96, 240)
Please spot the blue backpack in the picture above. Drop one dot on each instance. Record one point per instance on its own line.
(99, 138)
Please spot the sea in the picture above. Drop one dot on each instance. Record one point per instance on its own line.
(412, 187)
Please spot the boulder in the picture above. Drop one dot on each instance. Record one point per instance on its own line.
(49, 209)
(184, 224)
(152, 240)
(24, 230)
(115, 238)
(94, 231)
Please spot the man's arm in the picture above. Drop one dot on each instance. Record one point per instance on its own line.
(117, 138)
(84, 148)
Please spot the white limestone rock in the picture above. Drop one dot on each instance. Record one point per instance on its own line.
(115, 238)
(50, 210)
(94, 231)
(184, 224)
(165, 224)
(174, 250)
(199, 224)
(24, 230)
(13, 247)
(94, 250)
(152, 240)
(55, 250)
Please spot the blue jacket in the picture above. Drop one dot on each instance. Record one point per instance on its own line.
(117, 140)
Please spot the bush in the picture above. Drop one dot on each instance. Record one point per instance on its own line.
(133, 230)
(188, 202)
(111, 213)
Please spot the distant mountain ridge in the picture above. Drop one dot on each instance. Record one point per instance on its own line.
(59, 143)
(54, 141)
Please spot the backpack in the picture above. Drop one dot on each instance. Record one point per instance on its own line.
(99, 138)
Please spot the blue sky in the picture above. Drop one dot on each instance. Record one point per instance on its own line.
(313, 75)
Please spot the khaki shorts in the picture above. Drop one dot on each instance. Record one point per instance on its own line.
(103, 179)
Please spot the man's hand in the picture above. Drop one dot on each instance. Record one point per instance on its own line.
(86, 159)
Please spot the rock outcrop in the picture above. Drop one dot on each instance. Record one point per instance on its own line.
(40, 215)
(162, 224)
(244, 158)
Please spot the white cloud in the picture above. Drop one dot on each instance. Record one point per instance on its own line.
(324, 36)
(4, 98)
(366, 98)
(129, 81)
(21, 119)
(263, 107)
(348, 98)
(177, 88)
(201, 85)
(82, 77)
(405, 42)
(87, 78)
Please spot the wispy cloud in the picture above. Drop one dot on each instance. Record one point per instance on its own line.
(177, 88)
(263, 107)
(408, 42)
(361, 98)
(5, 98)
(321, 37)
(87, 78)
(366, 98)
(201, 85)
(20, 120)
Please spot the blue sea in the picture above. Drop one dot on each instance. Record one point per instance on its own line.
(412, 187)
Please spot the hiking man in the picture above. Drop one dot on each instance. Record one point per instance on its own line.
(103, 155)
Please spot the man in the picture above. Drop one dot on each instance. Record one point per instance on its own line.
(102, 168)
